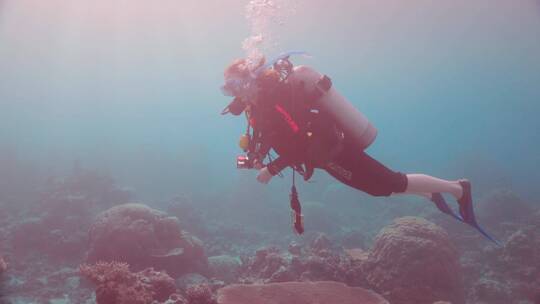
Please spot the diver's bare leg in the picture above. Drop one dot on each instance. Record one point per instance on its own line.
(422, 183)
(422, 194)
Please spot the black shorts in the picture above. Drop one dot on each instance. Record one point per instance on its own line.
(364, 173)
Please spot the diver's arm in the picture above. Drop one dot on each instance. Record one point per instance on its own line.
(264, 176)
(266, 173)
(263, 150)
(277, 165)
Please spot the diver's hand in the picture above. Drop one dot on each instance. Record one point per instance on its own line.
(257, 164)
(264, 176)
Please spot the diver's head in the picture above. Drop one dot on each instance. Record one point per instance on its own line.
(245, 81)
(247, 84)
(239, 84)
(239, 81)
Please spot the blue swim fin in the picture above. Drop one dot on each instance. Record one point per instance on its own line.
(487, 235)
(466, 210)
(439, 201)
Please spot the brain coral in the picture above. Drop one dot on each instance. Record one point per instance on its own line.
(144, 237)
(413, 261)
(297, 293)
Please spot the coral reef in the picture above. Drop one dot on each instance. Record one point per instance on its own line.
(320, 218)
(116, 284)
(410, 261)
(58, 223)
(42, 282)
(413, 261)
(62, 240)
(3, 265)
(224, 267)
(188, 279)
(82, 192)
(315, 263)
(502, 209)
(200, 294)
(190, 216)
(145, 237)
(512, 274)
(174, 299)
(298, 293)
(353, 239)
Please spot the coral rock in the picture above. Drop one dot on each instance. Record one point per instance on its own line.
(3, 265)
(175, 299)
(501, 207)
(184, 281)
(413, 261)
(353, 239)
(294, 248)
(116, 284)
(200, 294)
(357, 254)
(490, 291)
(224, 267)
(298, 293)
(516, 267)
(144, 237)
(321, 242)
(271, 265)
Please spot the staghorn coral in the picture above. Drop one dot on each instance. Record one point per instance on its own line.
(116, 284)
(145, 237)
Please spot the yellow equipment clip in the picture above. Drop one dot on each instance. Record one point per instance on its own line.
(243, 143)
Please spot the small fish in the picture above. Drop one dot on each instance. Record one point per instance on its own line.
(171, 253)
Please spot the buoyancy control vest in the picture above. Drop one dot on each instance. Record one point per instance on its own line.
(299, 129)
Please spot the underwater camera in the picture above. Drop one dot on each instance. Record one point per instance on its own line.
(244, 162)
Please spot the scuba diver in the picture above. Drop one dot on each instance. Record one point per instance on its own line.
(296, 112)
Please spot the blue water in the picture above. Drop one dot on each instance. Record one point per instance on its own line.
(132, 89)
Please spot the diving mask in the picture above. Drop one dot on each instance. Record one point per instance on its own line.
(237, 87)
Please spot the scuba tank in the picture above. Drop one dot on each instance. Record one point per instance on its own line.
(320, 91)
